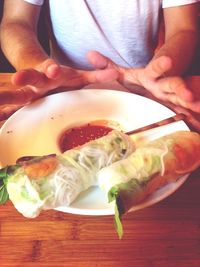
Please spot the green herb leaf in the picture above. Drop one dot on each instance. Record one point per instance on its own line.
(3, 191)
(113, 195)
(3, 194)
(3, 173)
(118, 223)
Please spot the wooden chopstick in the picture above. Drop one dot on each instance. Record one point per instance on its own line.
(177, 117)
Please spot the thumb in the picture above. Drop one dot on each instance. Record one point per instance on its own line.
(50, 68)
(99, 61)
(158, 67)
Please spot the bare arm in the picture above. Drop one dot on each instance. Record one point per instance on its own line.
(19, 34)
(181, 37)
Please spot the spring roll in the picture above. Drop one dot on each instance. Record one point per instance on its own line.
(129, 181)
(48, 182)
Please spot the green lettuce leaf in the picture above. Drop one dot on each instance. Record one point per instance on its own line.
(113, 196)
(124, 194)
(4, 174)
(3, 191)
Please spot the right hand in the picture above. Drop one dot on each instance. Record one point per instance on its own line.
(172, 89)
(34, 83)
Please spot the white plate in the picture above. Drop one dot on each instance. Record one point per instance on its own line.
(34, 130)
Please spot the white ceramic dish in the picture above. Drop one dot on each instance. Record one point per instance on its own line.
(34, 130)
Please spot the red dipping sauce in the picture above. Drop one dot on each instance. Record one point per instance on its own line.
(80, 135)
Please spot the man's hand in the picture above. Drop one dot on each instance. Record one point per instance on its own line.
(34, 83)
(170, 89)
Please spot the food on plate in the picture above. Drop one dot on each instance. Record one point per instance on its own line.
(127, 174)
(151, 166)
(51, 181)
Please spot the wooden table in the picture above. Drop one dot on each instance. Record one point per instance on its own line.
(164, 235)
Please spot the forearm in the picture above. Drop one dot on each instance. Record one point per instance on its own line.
(20, 45)
(181, 49)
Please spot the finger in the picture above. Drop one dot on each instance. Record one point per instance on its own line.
(29, 77)
(194, 106)
(51, 69)
(99, 61)
(177, 86)
(19, 96)
(131, 77)
(103, 76)
(176, 100)
(157, 67)
(192, 82)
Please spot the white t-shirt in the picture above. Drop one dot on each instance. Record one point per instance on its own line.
(124, 31)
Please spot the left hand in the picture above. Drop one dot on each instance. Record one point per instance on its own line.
(152, 77)
(37, 82)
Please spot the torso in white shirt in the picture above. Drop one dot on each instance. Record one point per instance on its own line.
(123, 30)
